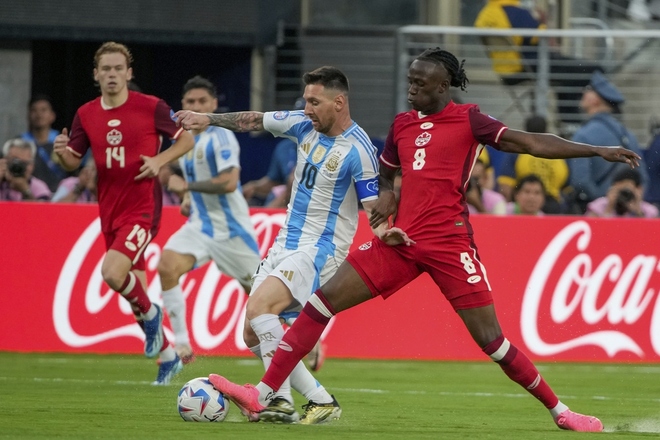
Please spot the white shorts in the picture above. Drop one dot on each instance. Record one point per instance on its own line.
(232, 256)
(300, 270)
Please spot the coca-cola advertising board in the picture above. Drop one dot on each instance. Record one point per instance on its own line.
(565, 288)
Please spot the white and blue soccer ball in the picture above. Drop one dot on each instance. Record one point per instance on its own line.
(198, 401)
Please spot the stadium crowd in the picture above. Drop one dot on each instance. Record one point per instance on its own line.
(499, 184)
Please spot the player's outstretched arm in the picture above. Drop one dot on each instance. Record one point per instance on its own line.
(239, 121)
(549, 146)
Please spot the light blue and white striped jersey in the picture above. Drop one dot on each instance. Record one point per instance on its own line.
(220, 216)
(331, 175)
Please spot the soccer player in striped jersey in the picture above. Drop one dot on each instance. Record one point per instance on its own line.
(219, 226)
(336, 168)
(435, 146)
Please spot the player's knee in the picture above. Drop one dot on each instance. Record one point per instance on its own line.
(256, 306)
(169, 269)
(113, 277)
(263, 302)
(165, 267)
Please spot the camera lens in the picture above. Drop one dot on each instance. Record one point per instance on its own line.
(17, 167)
(623, 199)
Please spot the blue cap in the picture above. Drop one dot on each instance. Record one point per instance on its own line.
(605, 89)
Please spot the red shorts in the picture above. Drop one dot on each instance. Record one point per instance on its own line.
(130, 240)
(453, 264)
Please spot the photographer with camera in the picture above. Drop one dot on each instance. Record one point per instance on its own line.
(623, 198)
(589, 177)
(16, 167)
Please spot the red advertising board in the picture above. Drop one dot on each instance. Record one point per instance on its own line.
(566, 288)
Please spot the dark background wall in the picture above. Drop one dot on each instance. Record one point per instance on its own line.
(171, 41)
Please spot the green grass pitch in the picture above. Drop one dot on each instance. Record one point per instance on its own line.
(51, 396)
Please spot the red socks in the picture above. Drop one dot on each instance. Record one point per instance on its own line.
(132, 290)
(521, 370)
(298, 341)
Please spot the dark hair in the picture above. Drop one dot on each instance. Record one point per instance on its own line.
(40, 97)
(329, 77)
(628, 174)
(198, 82)
(536, 124)
(530, 178)
(449, 61)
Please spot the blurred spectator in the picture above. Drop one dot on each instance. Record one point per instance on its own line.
(623, 199)
(487, 177)
(480, 198)
(652, 159)
(41, 117)
(81, 189)
(643, 10)
(528, 196)
(591, 177)
(170, 198)
(16, 167)
(552, 172)
(518, 62)
(271, 189)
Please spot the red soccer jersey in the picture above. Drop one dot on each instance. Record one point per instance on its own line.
(117, 137)
(436, 154)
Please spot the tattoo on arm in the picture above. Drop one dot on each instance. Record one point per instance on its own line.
(240, 121)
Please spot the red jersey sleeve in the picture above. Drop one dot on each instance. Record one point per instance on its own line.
(164, 122)
(78, 141)
(390, 155)
(486, 129)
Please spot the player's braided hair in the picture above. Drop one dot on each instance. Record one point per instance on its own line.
(447, 59)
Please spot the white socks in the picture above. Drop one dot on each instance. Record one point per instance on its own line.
(270, 332)
(176, 310)
(268, 329)
(560, 408)
(168, 354)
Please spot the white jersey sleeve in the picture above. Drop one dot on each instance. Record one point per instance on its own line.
(289, 124)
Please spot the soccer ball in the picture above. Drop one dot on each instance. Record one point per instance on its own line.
(198, 401)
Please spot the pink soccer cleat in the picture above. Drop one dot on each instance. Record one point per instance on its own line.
(245, 397)
(573, 421)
